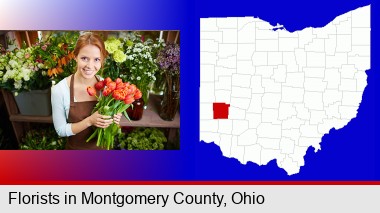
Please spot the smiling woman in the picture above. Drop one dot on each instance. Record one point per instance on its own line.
(72, 106)
(72, 61)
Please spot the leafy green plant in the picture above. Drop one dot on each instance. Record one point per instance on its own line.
(35, 67)
(43, 139)
(132, 58)
(56, 54)
(143, 139)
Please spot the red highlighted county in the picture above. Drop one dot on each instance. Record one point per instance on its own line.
(220, 110)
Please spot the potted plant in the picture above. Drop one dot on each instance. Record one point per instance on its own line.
(29, 72)
(168, 60)
(132, 59)
(43, 139)
(143, 139)
(115, 59)
(20, 73)
(56, 54)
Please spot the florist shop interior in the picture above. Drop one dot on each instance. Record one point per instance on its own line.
(140, 79)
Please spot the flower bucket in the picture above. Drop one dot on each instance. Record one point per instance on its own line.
(35, 102)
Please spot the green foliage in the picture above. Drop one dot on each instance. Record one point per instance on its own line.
(55, 52)
(43, 139)
(35, 67)
(143, 139)
(135, 61)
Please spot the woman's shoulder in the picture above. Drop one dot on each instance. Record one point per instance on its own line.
(61, 86)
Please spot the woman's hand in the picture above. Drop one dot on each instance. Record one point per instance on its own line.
(116, 118)
(101, 121)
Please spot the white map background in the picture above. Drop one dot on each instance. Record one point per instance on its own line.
(286, 90)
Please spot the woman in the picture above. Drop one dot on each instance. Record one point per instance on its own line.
(71, 104)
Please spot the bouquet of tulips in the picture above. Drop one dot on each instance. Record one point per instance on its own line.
(115, 97)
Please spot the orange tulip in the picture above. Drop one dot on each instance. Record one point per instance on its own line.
(132, 89)
(91, 91)
(111, 85)
(118, 80)
(119, 94)
(138, 94)
(107, 91)
(99, 85)
(120, 86)
(129, 99)
(107, 80)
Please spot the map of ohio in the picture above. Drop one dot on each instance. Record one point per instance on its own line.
(269, 94)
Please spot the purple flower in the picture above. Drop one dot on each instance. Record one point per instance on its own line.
(44, 47)
(169, 58)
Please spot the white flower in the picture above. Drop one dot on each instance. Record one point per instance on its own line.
(19, 54)
(18, 84)
(25, 73)
(138, 78)
(13, 63)
(136, 50)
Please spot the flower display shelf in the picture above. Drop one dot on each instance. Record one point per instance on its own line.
(151, 118)
(21, 123)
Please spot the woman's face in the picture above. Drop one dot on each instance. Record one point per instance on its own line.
(88, 61)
